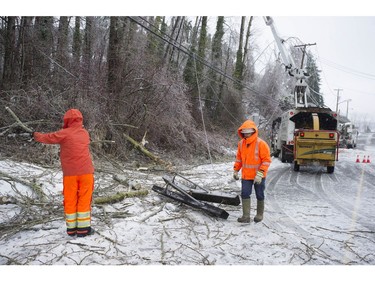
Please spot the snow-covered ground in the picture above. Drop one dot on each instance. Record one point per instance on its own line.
(311, 218)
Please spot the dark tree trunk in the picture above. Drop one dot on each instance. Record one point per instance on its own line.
(9, 54)
(77, 43)
(87, 54)
(43, 49)
(27, 50)
(62, 41)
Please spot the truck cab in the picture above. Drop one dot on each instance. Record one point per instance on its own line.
(348, 135)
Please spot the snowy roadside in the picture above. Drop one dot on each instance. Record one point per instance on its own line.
(316, 229)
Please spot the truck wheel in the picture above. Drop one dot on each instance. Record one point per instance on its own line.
(282, 153)
(330, 169)
(276, 153)
(296, 166)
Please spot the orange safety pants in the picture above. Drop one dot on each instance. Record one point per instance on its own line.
(77, 203)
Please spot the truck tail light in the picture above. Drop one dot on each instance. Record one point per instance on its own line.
(331, 135)
(302, 134)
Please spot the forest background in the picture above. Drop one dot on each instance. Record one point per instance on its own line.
(167, 82)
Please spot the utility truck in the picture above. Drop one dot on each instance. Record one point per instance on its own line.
(348, 135)
(307, 134)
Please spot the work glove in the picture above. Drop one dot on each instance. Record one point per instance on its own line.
(258, 177)
(26, 135)
(235, 175)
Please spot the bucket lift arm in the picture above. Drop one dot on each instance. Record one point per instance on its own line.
(300, 88)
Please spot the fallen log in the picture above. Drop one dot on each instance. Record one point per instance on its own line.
(119, 196)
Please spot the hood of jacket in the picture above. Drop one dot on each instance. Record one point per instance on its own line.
(248, 124)
(72, 118)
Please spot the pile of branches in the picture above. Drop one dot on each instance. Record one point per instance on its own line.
(37, 209)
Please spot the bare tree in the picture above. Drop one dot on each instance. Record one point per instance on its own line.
(9, 54)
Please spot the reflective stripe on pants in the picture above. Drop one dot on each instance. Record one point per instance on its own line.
(77, 200)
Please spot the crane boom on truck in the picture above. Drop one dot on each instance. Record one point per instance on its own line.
(306, 134)
(299, 74)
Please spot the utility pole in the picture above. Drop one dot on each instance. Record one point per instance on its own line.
(304, 51)
(347, 107)
(337, 106)
(337, 99)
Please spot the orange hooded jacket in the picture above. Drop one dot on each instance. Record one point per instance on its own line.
(74, 144)
(253, 153)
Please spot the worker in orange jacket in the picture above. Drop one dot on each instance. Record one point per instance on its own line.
(78, 171)
(254, 158)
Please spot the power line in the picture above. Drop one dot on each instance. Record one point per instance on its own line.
(201, 60)
(348, 70)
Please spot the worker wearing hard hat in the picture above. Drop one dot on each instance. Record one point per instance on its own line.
(253, 157)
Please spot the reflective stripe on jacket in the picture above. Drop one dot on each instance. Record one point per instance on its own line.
(253, 153)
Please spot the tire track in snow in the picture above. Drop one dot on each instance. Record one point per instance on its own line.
(351, 213)
(286, 224)
(281, 181)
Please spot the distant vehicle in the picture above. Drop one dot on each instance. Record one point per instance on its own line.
(348, 135)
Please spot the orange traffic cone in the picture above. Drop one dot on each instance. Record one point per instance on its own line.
(368, 159)
(364, 159)
(357, 161)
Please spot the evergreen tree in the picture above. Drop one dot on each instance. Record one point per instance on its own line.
(189, 73)
(202, 48)
(248, 70)
(314, 80)
(153, 41)
(239, 67)
(163, 30)
(213, 94)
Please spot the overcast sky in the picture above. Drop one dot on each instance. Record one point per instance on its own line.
(345, 54)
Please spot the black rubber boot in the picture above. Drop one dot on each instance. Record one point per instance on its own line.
(90, 232)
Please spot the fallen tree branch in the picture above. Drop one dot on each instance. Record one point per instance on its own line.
(153, 213)
(142, 149)
(33, 185)
(119, 196)
(22, 125)
(123, 182)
